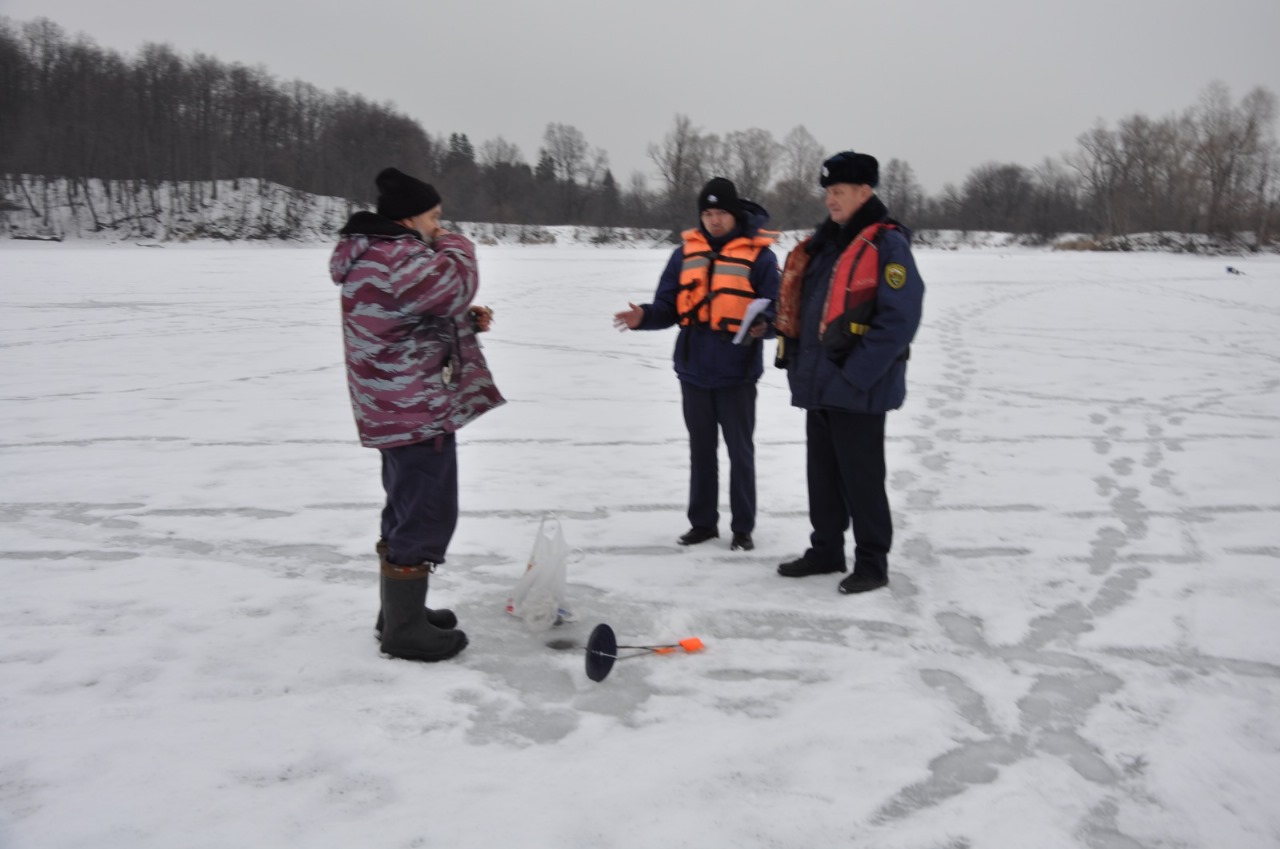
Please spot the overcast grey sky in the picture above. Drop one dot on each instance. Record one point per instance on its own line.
(944, 85)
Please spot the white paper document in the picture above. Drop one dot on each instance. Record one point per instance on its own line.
(757, 306)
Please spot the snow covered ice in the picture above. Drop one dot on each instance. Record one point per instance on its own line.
(1078, 648)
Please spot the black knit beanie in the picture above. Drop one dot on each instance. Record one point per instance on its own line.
(849, 167)
(720, 193)
(401, 196)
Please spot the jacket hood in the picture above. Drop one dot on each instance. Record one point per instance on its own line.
(357, 236)
(750, 221)
(754, 217)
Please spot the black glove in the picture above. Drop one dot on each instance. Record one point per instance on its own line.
(845, 333)
(838, 341)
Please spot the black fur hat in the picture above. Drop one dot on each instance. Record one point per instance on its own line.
(401, 196)
(850, 167)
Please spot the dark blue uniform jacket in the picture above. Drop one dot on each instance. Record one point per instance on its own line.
(873, 378)
(707, 358)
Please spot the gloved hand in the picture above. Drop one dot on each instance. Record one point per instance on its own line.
(838, 340)
(481, 318)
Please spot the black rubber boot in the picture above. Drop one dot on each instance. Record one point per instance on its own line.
(441, 618)
(407, 633)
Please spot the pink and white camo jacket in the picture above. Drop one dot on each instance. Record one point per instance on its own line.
(414, 365)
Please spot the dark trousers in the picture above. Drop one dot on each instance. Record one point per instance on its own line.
(421, 481)
(846, 483)
(706, 413)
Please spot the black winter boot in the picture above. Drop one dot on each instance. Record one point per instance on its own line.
(867, 575)
(804, 566)
(442, 618)
(407, 633)
(694, 536)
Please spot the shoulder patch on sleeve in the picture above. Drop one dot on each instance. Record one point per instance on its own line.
(895, 275)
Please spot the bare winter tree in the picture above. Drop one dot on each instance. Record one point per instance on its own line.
(946, 211)
(567, 147)
(577, 168)
(1232, 145)
(900, 190)
(499, 151)
(796, 195)
(1099, 164)
(1055, 206)
(802, 156)
(639, 206)
(1218, 141)
(717, 160)
(685, 161)
(1157, 184)
(678, 157)
(753, 155)
(997, 197)
(1268, 190)
(1264, 161)
(506, 181)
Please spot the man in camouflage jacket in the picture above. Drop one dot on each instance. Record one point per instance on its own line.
(416, 375)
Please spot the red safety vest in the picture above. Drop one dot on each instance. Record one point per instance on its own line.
(852, 289)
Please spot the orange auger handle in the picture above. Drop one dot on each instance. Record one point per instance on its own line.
(689, 644)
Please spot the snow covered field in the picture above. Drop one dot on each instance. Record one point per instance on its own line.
(1079, 647)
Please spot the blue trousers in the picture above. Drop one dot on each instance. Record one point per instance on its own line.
(421, 482)
(707, 412)
(846, 469)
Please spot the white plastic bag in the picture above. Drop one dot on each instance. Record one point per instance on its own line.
(539, 597)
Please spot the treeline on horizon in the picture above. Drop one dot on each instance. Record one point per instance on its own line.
(70, 108)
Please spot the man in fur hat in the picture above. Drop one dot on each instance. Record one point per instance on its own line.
(849, 307)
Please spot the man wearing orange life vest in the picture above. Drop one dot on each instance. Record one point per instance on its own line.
(722, 266)
(849, 307)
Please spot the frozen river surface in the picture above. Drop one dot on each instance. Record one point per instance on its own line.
(1079, 648)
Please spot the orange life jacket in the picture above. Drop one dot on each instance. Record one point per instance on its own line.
(715, 288)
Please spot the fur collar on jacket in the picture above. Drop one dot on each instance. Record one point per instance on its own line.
(372, 224)
(829, 232)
